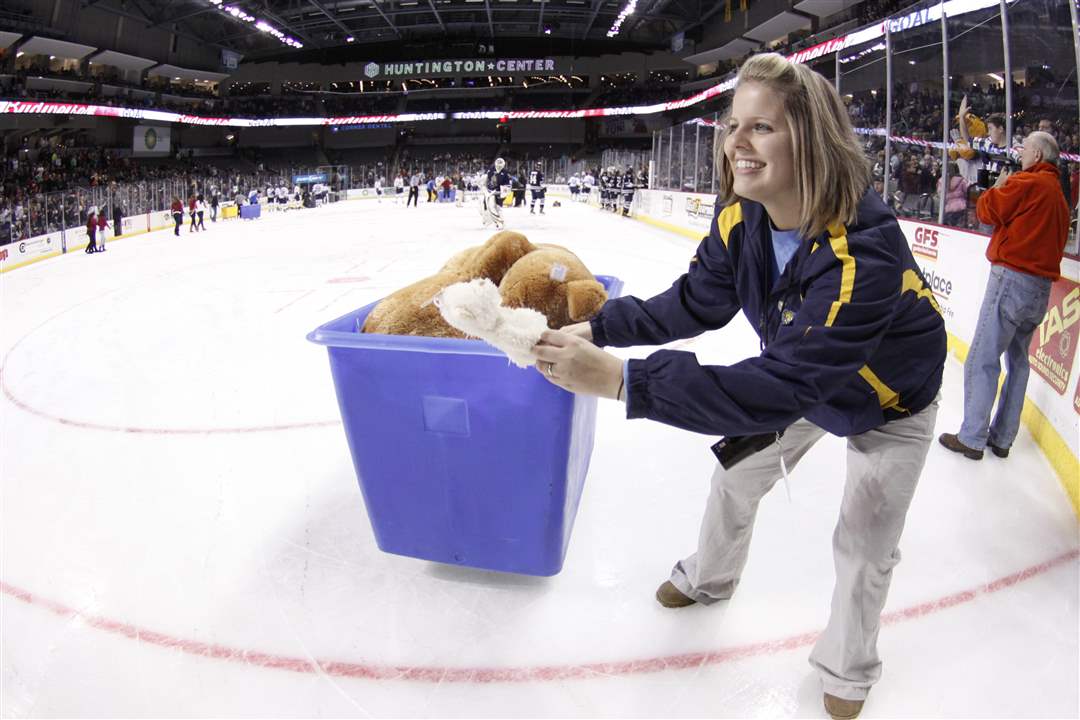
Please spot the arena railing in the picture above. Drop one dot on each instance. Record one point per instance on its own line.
(904, 79)
(39, 214)
(926, 46)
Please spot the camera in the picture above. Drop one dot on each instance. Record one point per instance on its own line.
(989, 174)
(730, 451)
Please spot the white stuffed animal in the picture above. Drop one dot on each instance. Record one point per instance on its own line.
(475, 308)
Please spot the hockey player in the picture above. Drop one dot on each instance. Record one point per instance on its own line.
(378, 189)
(615, 187)
(616, 176)
(399, 188)
(496, 185)
(629, 184)
(574, 183)
(607, 185)
(587, 184)
(537, 189)
(480, 185)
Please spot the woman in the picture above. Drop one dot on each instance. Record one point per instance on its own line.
(91, 230)
(955, 197)
(853, 344)
(200, 209)
(193, 214)
(102, 225)
(177, 215)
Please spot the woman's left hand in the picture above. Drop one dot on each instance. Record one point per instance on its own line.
(575, 364)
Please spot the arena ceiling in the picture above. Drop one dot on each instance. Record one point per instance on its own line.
(326, 24)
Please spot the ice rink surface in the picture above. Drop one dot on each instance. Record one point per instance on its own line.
(183, 534)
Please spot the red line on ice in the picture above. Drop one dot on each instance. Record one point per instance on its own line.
(372, 671)
(136, 429)
(86, 425)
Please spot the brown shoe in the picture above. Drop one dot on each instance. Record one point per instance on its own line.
(999, 451)
(670, 597)
(841, 709)
(953, 443)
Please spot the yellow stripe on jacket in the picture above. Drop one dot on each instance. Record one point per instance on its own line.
(887, 397)
(728, 218)
(838, 241)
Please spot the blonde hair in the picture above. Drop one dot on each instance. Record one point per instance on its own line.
(831, 172)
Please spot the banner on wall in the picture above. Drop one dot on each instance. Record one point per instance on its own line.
(1053, 347)
(1076, 399)
(927, 243)
(699, 210)
(230, 60)
(151, 140)
(667, 205)
(22, 251)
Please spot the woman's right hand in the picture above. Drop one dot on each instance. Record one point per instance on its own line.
(582, 330)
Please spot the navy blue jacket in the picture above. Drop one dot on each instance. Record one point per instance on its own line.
(851, 334)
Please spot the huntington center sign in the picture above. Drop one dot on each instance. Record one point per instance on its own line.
(480, 66)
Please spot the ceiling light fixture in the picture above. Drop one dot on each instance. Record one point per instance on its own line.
(262, 25)
(625, 13)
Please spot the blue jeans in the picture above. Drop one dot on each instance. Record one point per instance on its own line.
(1012, 308)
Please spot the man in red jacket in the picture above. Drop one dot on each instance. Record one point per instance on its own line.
(1031, 223)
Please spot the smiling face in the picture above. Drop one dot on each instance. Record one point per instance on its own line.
(760, 150)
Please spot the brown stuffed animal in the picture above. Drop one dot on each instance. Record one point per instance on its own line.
(553, 281)
(546, 278)
(409, 311)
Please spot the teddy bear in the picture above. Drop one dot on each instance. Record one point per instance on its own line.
(553, 281)
(546, 278)
(410, 311)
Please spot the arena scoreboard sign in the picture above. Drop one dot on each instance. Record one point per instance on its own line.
(447, 68)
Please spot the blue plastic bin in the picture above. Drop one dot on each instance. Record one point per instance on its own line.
(462, 457)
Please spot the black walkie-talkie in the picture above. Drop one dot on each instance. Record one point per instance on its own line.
(730, 451)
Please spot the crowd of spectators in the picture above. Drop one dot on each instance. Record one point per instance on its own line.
(915, 169)
(339, 105)
(272, 106)
(46, 187)
(15, 87)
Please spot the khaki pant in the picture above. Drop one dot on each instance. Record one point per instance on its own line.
(883, 468)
